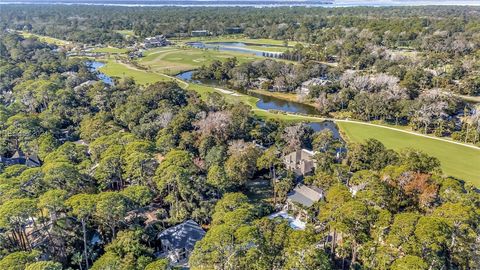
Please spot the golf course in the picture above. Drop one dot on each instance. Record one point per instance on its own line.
(161, 64)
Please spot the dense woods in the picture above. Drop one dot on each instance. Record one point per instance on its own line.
(359, 95)
(401, 65)
(119, 164)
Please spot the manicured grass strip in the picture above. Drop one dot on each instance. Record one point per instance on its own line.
(458, 161)
(45, 39)
(171, 60)
(115, 69)
(109, 50)
(126, 32)
(281, 95)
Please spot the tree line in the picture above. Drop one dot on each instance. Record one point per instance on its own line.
(411, 99)
(109, 153)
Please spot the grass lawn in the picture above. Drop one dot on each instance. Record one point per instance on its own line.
(173, 60)
(120, 70)
(46, 39)
(110, 50)
(281, 95)
(126, 32)
(457, 160)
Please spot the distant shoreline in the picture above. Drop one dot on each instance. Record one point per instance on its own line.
(248, 3)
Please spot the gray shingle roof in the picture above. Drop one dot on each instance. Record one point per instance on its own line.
(184, 235)
(305, 195)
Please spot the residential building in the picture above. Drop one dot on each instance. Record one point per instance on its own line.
(301, 162)
(200, 33)
(304, 195)
(178, 241)
(305, 88)
(21, 158)
(84, 85)
(156, 41)
(233, 30)
(301, 198)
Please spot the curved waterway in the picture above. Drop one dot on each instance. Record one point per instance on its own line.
(240, 47)
(272, 103)
(94, 66)
(264, 102)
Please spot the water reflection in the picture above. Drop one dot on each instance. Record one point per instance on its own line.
(234, 47)
(319, 126)
(273, 103)
(94, 66)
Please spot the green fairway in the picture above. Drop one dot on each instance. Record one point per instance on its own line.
(45, 39)
(120, 70)
(109, 50)
(126, 32)
(459, 161)
(174, 60)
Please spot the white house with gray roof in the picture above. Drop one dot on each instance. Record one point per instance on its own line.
(178, 241)
(306, 86)
(304, 195)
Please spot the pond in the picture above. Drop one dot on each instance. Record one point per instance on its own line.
(272, 103)
(235, 47)
(264, 102)
(186, 75)
(94, 66)
(319, 126)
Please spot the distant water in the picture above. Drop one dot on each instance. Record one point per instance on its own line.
(250, 3)
(232, 47)
(94, 66)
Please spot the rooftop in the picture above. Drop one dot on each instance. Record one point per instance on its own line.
(304, 195)
(183, 235)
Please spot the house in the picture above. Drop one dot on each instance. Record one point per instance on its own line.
(21, 158)
(233, 30)
(200, 33)
(301, 198)
(262, 83)
(84, 85)
(178, 241)
(301, 162)
(305, 88)
(304, 195)
(156, 41)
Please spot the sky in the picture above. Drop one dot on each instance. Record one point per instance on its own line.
(252, 2)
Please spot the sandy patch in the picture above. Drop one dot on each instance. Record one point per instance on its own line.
(224, 91)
